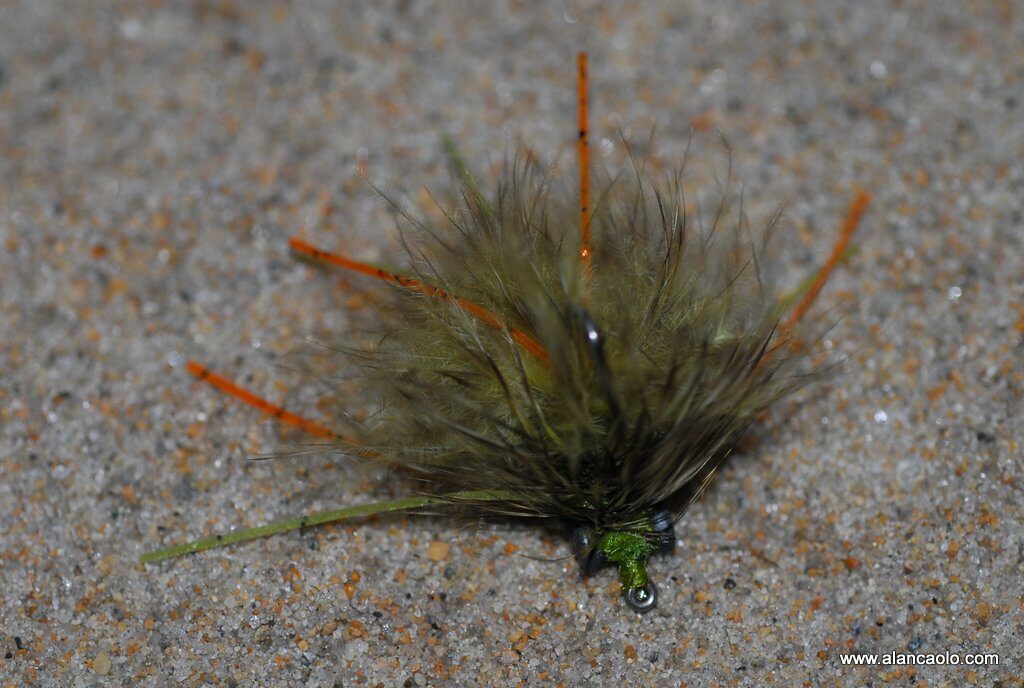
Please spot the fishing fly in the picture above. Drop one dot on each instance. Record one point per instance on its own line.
(548, 356)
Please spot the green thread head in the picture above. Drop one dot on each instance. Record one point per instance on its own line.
(629, 551)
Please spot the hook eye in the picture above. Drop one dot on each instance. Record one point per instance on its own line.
(642, 599)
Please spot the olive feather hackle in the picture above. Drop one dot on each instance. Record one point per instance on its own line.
(589, 393)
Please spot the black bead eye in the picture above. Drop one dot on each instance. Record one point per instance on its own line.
(661, 521)
(591, 559)
(663, 527)
(581, 540)
(642, 599)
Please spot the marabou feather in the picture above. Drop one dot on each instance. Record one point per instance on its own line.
(655, 360)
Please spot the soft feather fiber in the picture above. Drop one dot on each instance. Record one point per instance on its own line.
(653, 360)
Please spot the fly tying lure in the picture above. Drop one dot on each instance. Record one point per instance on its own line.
(545, 358)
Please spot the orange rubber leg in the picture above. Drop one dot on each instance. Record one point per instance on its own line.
(246, 397)
(853, 218)
(583, 150)
(520, 337)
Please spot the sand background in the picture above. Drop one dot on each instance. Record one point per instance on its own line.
(155, 156)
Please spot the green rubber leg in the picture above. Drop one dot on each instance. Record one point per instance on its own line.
(321, 518)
